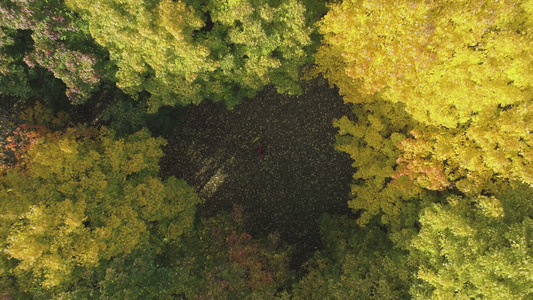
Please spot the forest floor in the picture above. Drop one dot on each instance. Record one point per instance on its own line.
(300, 177)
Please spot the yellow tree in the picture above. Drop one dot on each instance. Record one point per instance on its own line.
(182, 52)
(371, 141)
(446, 60)
(495, 147)
(464, 71)
(83, 197)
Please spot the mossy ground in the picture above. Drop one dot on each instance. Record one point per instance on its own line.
(300, 177)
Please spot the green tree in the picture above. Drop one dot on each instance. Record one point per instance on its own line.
(142, 274)
(224, 261)
(476, 247)
(183, 52)
(356, 263)
(85, 197)
(217, 259)
(15, 77)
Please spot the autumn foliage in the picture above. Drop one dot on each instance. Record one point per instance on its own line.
(439, 134)
(35, 123)
(446, 60)
(58, 42)
(448, 168)
(182, 52)
(451, 66)
(232, 264)
(18, 144)
(84, 197)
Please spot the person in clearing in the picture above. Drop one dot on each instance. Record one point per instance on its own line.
(260, 152)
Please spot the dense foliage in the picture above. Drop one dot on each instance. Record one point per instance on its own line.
(39, 35)
(356, 263)
(478, 247)
(440, 137)
(457, 57)
(463, 69)
(79, 197)
(182, 52)
(226, 262)
(439, 134)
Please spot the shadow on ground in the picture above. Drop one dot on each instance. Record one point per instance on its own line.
(300, 177)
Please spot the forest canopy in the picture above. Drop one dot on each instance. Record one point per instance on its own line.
(182, 52)
(439, 99)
